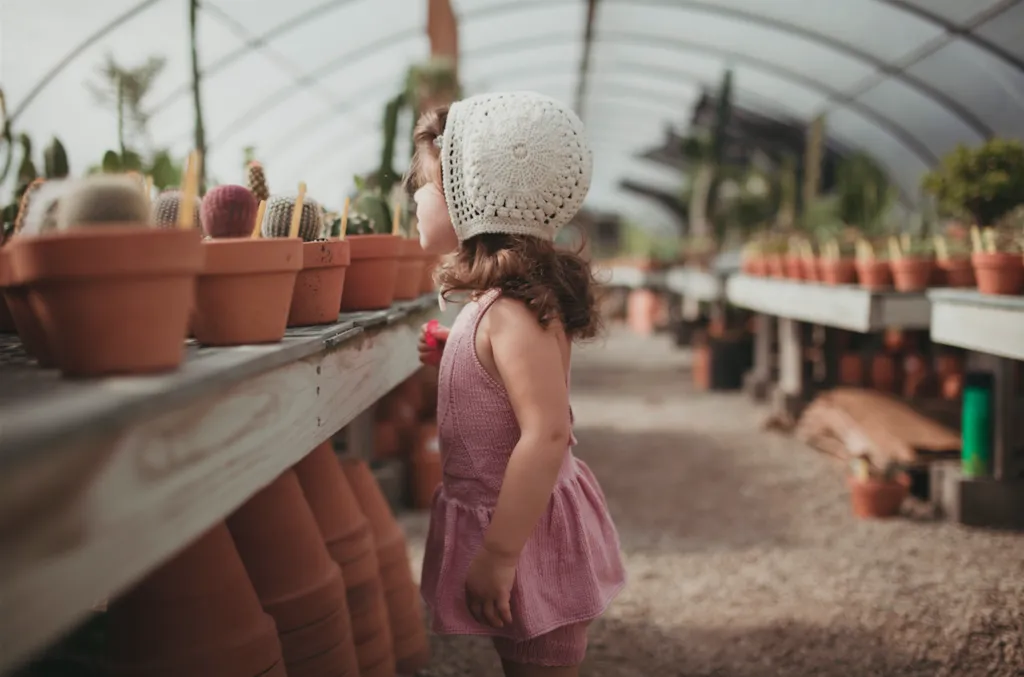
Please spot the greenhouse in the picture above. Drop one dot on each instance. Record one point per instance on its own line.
(247, 246)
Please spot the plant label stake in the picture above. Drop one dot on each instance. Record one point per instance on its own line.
(396, 219)
(976, 240)
(293, 230)
(344, 220)
(257, 229)
(186, 208)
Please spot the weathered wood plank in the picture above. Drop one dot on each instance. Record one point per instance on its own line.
(984, 323)
(163, 475)
(843, 307)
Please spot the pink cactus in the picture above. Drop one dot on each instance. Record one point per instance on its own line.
(229, 211)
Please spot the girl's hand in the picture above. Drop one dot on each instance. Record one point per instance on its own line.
(433, 337)
(489, 588)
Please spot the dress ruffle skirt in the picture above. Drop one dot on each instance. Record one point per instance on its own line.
(568, 572)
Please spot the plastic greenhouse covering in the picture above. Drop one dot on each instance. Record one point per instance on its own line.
(304, 82)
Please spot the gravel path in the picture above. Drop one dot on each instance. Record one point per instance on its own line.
(744, 560)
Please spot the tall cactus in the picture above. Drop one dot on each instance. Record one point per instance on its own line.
(257, 181)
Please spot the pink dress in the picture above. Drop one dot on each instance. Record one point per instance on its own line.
(570, 569)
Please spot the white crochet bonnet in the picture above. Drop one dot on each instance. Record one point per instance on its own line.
(516, 163)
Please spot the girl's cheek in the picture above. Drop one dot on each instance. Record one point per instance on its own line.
(437, 236)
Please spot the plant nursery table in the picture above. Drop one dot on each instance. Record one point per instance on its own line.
(632, 277)
(993, 326)
(103, 480)
(787, 303)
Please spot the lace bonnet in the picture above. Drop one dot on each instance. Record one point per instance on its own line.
(515, 162)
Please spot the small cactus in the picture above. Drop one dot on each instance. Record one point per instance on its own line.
(358, 224)
(103, 199)
(278, 218)
(41, 215)
(165, 209)
(55, 160)
(26, 201)
(257, 180)
(229, 211)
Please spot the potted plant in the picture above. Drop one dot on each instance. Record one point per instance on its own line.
(872, 264)
(775, 248)
(111, 293)
(983, 185)
(836, 262)
(996, 257)
(411, 259)
(912, 263)
(953, 261)
(753, 258)
(794, 259)
(372, 276)
(245, 290)
(875, 492)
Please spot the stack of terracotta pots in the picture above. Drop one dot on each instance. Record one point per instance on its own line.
(425, 466)
(348, 538)
(411, 650)
(197, 615)
(297, 581)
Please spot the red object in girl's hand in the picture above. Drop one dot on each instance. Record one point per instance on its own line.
(434, 358)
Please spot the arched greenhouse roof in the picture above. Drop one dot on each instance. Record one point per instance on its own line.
(305, 81)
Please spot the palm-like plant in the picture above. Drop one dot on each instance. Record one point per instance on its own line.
(124, 90)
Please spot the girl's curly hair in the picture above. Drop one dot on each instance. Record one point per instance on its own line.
(554, 283)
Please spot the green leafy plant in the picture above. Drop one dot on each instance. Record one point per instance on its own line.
(983, 183)
(370, 212)
(864, 193)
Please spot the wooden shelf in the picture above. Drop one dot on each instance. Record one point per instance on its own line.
(630, 277)
(985, 323)
(101, 481)
(696, 283)
(844, 306)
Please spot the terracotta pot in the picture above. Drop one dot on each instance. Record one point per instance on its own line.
(877, 498)
(111, 299)
(916, 376)
(952, 386)
(283, 550)
(373, 274)
(410, 270)
(196, 615)
(306, 643)
(15, 302)
(948, 363)
(883, 373)
(371, 629)
(318, 286)
(700, 364)
(957, 272)
(336, 661)
(794, 267)
(429, 383)
(335, 508)
(426, 467)
(385, 528)
(810, 268)
(245, 290)
(998, 273)
(776, 266)
(912, 273)
(851, 370)
(837, 271)
(430, 265)
(642, 311)
(747, 265)
(758, 266)
(873, 273)
(386, 442)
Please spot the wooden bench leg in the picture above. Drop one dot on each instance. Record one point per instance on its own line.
(758, 379)
(788, 397)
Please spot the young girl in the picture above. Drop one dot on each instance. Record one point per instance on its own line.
(521, 547)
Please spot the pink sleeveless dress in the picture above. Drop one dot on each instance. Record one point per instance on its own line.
(570, 569)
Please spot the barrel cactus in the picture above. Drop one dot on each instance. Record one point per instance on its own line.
(165, 209)
(359, 224)
(103, 199)
(229, 211)
(277, 220)
(257, 180)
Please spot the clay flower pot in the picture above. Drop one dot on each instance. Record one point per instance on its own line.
(958, 272)
(837, 271)
(851, 370)
(883, 373)
(776, 266)
(410, 270)
(430, 264)
(318, 286)
(912, 273)
(873, 273)
(244, 292)
(112, 299)
(426, 467)
(372, 502)
(810, 269)
(277, 535)
(758, 265)
(23, 318)
(876, 498)
(999, 273)
(198, 614)
(794, 267)
(373, 274)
